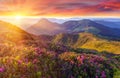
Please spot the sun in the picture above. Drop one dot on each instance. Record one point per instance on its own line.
(18, 17)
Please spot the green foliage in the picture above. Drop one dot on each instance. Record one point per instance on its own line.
(88, 41)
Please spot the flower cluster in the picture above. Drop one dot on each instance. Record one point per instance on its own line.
(87, 66)
(40, 63)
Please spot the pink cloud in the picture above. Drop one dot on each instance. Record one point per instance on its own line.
(60, 7)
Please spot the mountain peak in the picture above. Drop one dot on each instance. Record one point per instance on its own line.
(44, 20)
(87, 21)
(44, 26)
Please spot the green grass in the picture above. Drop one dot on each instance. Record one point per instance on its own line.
(117, 74)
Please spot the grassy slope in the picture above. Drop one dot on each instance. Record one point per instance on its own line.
(13, 35)
(117, 74)
(88, 41)
(101, 45)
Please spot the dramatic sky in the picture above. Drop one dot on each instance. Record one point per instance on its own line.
(60, 7)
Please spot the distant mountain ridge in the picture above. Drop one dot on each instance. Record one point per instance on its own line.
(87, 25)
(109, 23)
(44, 26)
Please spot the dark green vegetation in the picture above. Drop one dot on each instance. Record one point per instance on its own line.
(23, 55)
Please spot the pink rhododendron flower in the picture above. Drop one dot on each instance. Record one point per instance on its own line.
(80, 59)
(103, 75)
(2, 69)
(96, 77)
(35, 61)
(19, 61)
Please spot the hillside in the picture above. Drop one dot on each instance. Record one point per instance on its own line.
(88, 41)
(13, 35)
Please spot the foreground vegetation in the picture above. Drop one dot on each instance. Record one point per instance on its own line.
(35, 62)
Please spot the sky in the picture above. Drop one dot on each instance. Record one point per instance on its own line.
(60, 8)
(24, 13)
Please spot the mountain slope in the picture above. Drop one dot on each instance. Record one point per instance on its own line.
(11, 34)
(88, 41)
(46, 27)
(109, 23)
(91, 27)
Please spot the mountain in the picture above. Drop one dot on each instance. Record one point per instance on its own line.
(46, 27)
(111, 24)
(13, 35)
(87, 25)
(87, 41)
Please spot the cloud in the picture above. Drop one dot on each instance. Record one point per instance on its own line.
(111, 5)
(60, 7)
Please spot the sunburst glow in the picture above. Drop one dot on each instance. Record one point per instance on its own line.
(18, 17)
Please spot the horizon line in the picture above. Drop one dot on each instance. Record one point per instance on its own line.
(62, 17)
